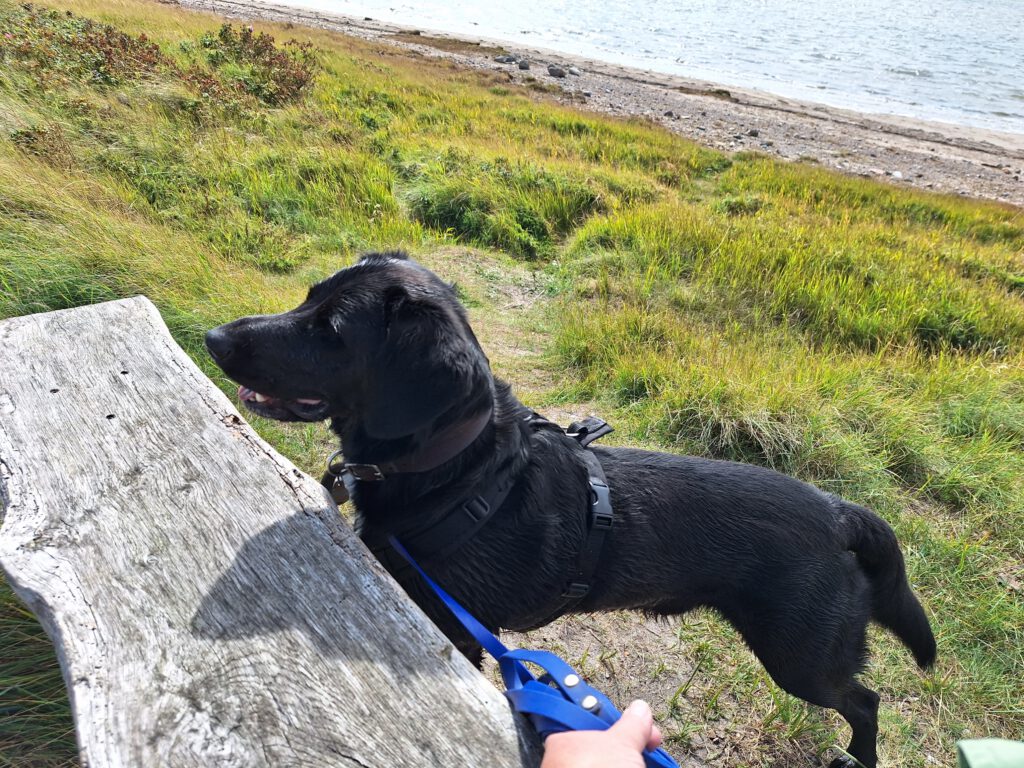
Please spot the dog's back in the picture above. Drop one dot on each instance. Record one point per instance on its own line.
(725, 535)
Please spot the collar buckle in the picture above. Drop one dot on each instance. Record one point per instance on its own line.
(369, 473)
(342, 470)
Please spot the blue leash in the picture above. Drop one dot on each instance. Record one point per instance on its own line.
(559, 700)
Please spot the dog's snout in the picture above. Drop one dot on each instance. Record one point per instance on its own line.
(220, 344)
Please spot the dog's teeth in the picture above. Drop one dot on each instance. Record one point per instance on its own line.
(260, 398)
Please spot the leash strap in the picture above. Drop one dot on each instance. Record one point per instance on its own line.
(560, 700)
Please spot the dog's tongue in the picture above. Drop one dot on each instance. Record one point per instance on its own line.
(251, 395)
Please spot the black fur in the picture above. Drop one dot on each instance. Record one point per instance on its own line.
(387, 348)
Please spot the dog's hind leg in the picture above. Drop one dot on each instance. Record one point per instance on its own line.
(856, 703)
(860, 708)
(814, 647)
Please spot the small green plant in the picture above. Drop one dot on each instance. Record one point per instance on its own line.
(745, 205)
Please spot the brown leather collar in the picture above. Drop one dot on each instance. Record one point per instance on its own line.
(442, 447)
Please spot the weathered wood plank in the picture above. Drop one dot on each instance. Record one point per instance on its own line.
(208, 605)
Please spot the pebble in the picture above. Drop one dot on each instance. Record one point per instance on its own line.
(897, 175)
(524, 64)
(670, 113)
(588, 94)
(505, 59)
(555, 71)
(753, 132)
(575, 71)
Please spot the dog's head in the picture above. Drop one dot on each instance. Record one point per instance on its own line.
(383, 346)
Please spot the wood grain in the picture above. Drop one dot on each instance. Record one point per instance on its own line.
(208, 604)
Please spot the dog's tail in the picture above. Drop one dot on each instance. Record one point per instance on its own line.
(894, 605)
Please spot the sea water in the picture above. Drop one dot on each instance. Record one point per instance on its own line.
(957, 61)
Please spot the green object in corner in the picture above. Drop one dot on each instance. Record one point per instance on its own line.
(990, 753)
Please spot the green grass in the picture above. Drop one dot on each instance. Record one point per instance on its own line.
(866, 338)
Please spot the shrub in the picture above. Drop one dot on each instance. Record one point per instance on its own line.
(249, 59)
(47, 142)
(57, 46)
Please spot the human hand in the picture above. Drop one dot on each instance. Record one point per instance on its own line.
(618, 747)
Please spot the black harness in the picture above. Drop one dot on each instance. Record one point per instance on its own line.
(443, 537)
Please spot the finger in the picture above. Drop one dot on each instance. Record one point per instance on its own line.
(635, 726)
(655, 741)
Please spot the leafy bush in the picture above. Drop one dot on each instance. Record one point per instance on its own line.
(47, 142)
(249, 59)
(57, 47)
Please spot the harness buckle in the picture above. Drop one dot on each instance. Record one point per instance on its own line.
(601, 515)
(576, 590)
(602, 520)
(477, 508)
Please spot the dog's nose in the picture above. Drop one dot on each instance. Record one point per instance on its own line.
(220, 344)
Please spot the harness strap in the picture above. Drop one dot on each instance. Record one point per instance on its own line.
(599, 522)
(588, 430)
(442, 537)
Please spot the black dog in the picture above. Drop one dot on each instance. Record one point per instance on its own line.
(385, 351)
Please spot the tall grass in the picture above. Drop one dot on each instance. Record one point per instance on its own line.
(862, 337)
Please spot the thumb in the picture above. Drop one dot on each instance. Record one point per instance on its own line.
(635, 725)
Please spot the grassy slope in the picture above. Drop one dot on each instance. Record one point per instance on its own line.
(864, 338)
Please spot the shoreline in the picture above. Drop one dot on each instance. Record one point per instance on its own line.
(940, 157)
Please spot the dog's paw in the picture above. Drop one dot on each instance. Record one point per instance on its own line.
(844, 761)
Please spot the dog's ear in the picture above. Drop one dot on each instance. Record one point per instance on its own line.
(426, 366)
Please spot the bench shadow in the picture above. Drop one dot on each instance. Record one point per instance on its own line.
(299, 574)
(309, 574)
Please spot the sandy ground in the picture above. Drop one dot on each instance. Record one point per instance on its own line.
(938, 156)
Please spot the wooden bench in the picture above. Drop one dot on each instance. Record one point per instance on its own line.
(208, 604)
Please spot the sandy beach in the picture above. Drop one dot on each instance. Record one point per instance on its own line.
(941, 157)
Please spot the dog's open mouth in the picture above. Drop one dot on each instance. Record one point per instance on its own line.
(299, 409)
